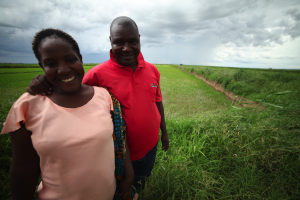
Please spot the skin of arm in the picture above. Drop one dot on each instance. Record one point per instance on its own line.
(164, 135)
(39, 85)
(25, 168)
(126, 182)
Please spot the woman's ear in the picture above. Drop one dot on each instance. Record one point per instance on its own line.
(41, 65)
(80, 57)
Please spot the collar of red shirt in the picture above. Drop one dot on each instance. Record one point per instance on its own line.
(140, 59)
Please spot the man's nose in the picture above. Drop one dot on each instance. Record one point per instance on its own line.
(127, 47)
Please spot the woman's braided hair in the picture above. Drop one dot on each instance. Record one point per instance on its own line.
(49, 32)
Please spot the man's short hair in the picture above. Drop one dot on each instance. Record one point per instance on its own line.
(123, 20)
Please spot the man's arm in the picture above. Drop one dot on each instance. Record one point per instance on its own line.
(25, 168)
(39, 85)
(164, 135)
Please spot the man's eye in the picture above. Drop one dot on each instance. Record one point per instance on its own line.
(71, 60)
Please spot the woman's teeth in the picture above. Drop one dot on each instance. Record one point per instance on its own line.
(67, 80)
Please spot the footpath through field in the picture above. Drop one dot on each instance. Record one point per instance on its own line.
(185, 96)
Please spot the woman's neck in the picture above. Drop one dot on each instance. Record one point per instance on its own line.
(72, 99)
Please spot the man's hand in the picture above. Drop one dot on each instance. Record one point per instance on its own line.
(165, 142)
(125, 185)
(39, 85)
(164, 135)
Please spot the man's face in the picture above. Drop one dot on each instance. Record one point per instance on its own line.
(125, 44)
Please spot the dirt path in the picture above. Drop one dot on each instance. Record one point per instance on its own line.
(243, 102)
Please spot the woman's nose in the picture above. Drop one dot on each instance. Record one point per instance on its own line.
(64, 69)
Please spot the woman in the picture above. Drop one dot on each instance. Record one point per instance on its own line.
(61, 137)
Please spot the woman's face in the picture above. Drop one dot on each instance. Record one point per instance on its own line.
(61, 64)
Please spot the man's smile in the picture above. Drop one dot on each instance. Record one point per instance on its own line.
(128, 56)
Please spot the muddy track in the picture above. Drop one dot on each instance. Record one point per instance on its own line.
(242, 101)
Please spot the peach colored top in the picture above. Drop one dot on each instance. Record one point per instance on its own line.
(75, 145)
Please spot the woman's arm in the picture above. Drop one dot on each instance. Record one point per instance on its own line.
(25, 168)
(126, 183)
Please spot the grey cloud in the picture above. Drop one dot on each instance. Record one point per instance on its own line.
(4, 53)
(6, 25)
(11, 45)
(243, 23)
(223, 9)
(291, 27)
(251, 23)
(257, 21)
(247, 33)
(293, 12)
(279, 57)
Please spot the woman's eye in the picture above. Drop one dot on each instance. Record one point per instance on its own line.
(50, 64)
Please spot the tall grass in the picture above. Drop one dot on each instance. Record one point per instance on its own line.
(233, 153)
(240, 154)
(279, 88)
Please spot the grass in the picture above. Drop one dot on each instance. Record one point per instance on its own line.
(261, 85)
(185, 96)
(227, 152)
(235, 154)
(217, 149)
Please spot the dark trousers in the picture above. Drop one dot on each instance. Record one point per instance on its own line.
(143, 167)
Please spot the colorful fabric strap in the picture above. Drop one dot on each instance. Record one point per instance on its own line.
(119, 137)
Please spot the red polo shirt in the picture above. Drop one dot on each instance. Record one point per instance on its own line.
(138, 93)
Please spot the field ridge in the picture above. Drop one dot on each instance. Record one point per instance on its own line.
(242, 101)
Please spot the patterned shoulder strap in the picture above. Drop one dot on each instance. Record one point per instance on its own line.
(119, 136)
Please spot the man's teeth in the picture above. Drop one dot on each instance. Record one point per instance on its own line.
(67, 80)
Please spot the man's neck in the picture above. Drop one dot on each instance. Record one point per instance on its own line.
(133, 67)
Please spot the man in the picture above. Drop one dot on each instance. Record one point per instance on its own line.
(135, 83)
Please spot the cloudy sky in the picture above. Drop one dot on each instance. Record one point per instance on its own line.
(237, 33)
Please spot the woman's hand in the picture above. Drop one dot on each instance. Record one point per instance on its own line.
(39, 85)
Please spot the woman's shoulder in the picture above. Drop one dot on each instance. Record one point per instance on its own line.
(28, 102)
(101, 91)
(103, 94)
(18, 112)
(23, 99)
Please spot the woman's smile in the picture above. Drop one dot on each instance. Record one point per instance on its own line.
(68, 80)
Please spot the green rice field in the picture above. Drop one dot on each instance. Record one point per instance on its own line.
(218, 149)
